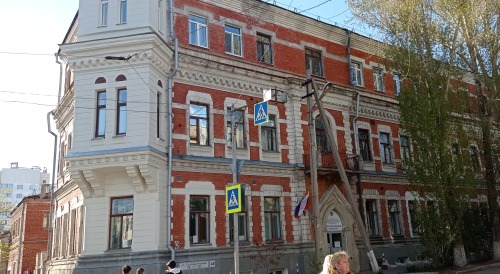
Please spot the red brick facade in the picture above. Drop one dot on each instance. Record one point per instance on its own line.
(29, 235)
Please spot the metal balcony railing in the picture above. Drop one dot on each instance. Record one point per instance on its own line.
(326, 161)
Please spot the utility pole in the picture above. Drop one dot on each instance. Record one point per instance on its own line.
(313, 159)
(343, 175)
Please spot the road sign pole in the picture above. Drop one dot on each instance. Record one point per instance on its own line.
(235, 181)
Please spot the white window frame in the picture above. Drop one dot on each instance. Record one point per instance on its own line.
(123, 11)
(396, 77)
(397, 215)
(233, 36)
(357, 71)
(378, 79)
(104, 9)
(386, 146)
(198, 28)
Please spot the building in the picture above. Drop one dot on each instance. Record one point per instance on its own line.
(134, 188)
(29, 233)
(16, 183)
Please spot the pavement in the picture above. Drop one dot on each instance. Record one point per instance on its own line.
(487, 267)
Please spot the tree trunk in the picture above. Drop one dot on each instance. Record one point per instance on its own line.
(490, 175)
(459, 258)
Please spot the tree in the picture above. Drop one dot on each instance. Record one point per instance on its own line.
(439, 46)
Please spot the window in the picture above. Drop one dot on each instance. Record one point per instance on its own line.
(372, 217)
(19, 195)
(397, 83)
(454, 148)
(413, 218)
(160, 16)
(121, 112)
(199, 218)
(264, 49)
(268, 134)
(19, 186)
(121, 221)
(242, 224)
(198, 31)
(385, 148)
(233, 40)
(198, 124)
(321, 136)
(8, 195)
(100, 125)
(158, 117)
(378, 79)
(272, 218)
(394, 217)
(123, 11)
(276, 272)
(313, 62)
(364, 144)
(357, 73)
(104, 13)
(474, 157)
(239, 125)
(405, 147)
(46, 220)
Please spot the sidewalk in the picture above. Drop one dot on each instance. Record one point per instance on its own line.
(487, 267)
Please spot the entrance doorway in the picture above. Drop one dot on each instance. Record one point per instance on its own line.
(334, 242)
(334, 233)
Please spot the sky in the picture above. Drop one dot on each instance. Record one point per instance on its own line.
(30, 32)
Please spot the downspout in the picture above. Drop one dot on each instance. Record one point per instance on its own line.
(21, 233)
(170, 131)
(54, 156)
(355, 127)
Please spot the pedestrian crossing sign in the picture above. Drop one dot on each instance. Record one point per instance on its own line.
(233, 199)
(260, 113)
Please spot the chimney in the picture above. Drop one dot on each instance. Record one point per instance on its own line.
(43, 192)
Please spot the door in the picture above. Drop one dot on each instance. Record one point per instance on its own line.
(334, 241)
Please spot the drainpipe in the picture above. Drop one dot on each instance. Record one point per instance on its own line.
(21, 233)
(355, 127)
(170, 131)
(54, 156)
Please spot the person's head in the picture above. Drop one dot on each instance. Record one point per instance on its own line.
(171, 264)
(341, 262)
(126, 269)
(140, 270)
(327, 265)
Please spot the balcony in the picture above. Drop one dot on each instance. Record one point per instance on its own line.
(327, 162)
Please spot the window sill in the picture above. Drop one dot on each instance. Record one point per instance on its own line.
(121, 250)
(235, 55)
(271, 151)
(199, 46)
(120, 136)
(98, 138)
(200, 245)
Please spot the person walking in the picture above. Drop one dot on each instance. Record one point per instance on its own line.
(172, 268)
(337, 263)
(126, 269)
(140, 270)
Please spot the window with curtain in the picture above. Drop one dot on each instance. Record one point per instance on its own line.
(121, 222)
(199, 220)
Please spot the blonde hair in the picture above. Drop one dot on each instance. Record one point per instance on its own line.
(328, 265)
(331, 260)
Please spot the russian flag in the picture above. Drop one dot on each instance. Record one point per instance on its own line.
(301, 205)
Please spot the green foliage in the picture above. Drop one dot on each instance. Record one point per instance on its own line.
(315, 264)
(267, 254)
(477, 233)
